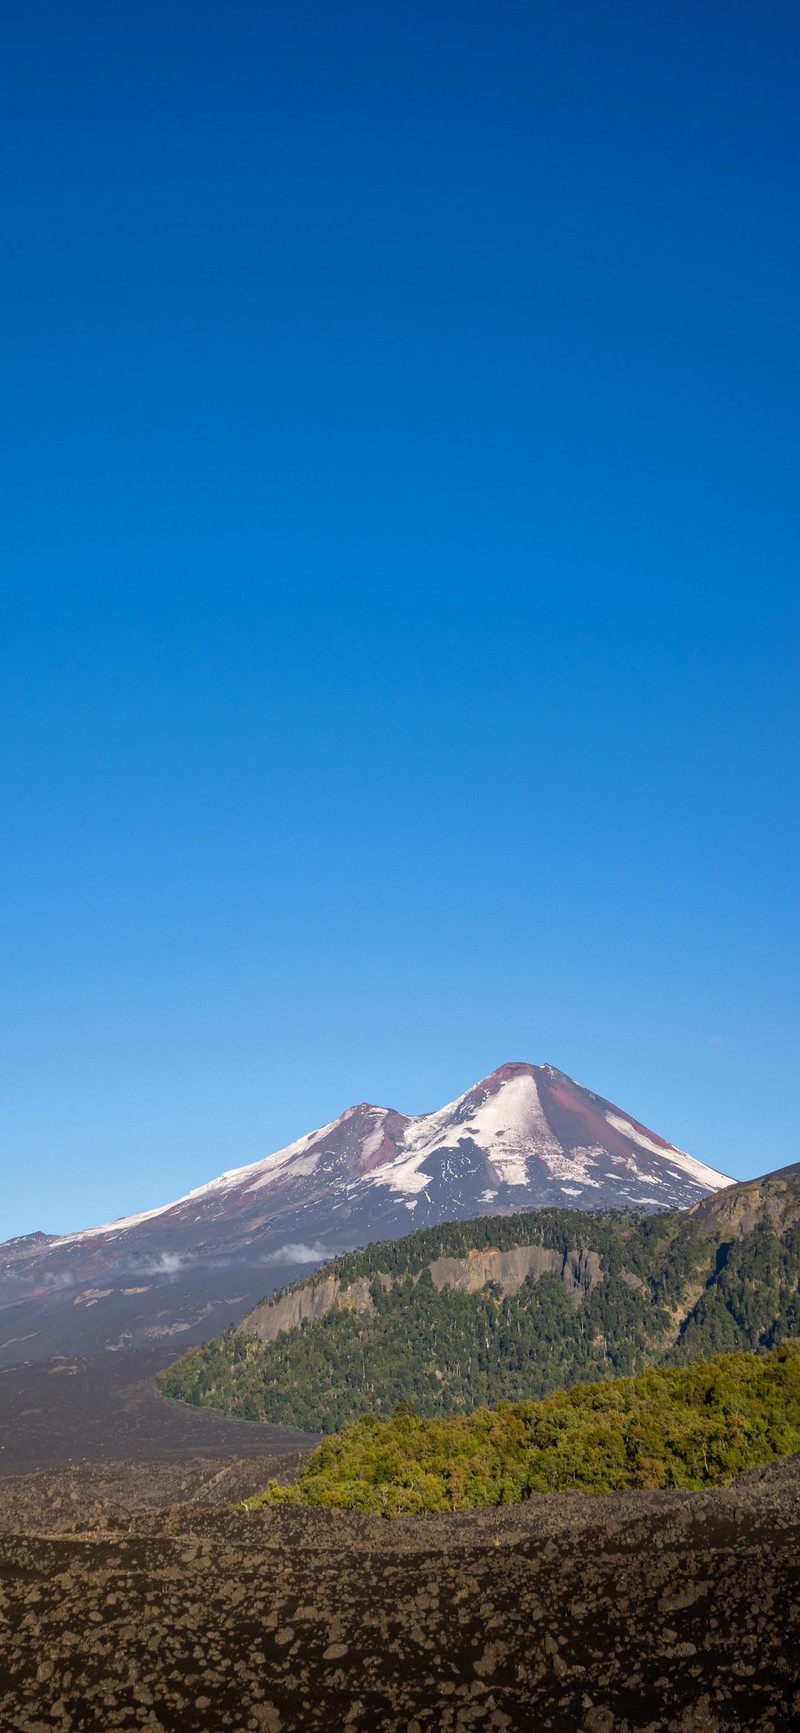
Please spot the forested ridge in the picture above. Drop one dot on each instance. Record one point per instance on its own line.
(672, 1290)
(691, 1427)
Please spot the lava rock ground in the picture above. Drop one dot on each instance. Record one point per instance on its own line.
(136, 1595)
(105, 1408)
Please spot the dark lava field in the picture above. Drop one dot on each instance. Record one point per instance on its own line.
(134, 1594)
(104, 1408)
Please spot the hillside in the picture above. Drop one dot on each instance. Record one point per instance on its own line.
(469, 1314)
(688, 1426)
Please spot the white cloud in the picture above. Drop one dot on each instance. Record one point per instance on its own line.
(298, 1253)
(162, 1264)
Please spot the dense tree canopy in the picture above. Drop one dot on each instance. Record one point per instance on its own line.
(689, 1426)
(669, 1293)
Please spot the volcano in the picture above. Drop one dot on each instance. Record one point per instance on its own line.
(526, 1137)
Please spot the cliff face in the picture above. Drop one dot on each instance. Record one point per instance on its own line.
(579, 1270)
(308, 1305)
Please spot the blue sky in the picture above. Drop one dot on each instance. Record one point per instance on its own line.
(399, 621)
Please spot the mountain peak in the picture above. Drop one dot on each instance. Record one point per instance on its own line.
(525, 1137)
(505, 1073)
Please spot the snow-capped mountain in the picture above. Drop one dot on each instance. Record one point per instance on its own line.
(526, 1137)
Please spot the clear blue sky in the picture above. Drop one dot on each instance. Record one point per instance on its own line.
(399, 630)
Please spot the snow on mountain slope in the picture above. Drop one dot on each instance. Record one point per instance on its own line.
(525, 1137)
(535, 1128)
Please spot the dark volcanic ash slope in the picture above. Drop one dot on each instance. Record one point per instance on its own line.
(142, 1602)
(105, 1409)
(524, 1138)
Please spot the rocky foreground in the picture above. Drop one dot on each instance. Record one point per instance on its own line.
(134, 1596)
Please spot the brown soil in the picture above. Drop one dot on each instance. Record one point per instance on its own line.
(133, 1596)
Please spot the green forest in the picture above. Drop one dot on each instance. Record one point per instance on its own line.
(671, 1292)
(688, 1426)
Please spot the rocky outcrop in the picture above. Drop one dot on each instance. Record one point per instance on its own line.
(579, 1270)
(307, 1305)
(740, 1209)
(581, 1273)
(508, 1270)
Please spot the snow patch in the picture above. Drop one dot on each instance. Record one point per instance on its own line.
(269, 1168)
(302, 1157)
(705, 1176)
(374, 1138)
(507, 1124)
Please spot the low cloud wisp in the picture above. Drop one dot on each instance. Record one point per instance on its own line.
(298, 1253)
